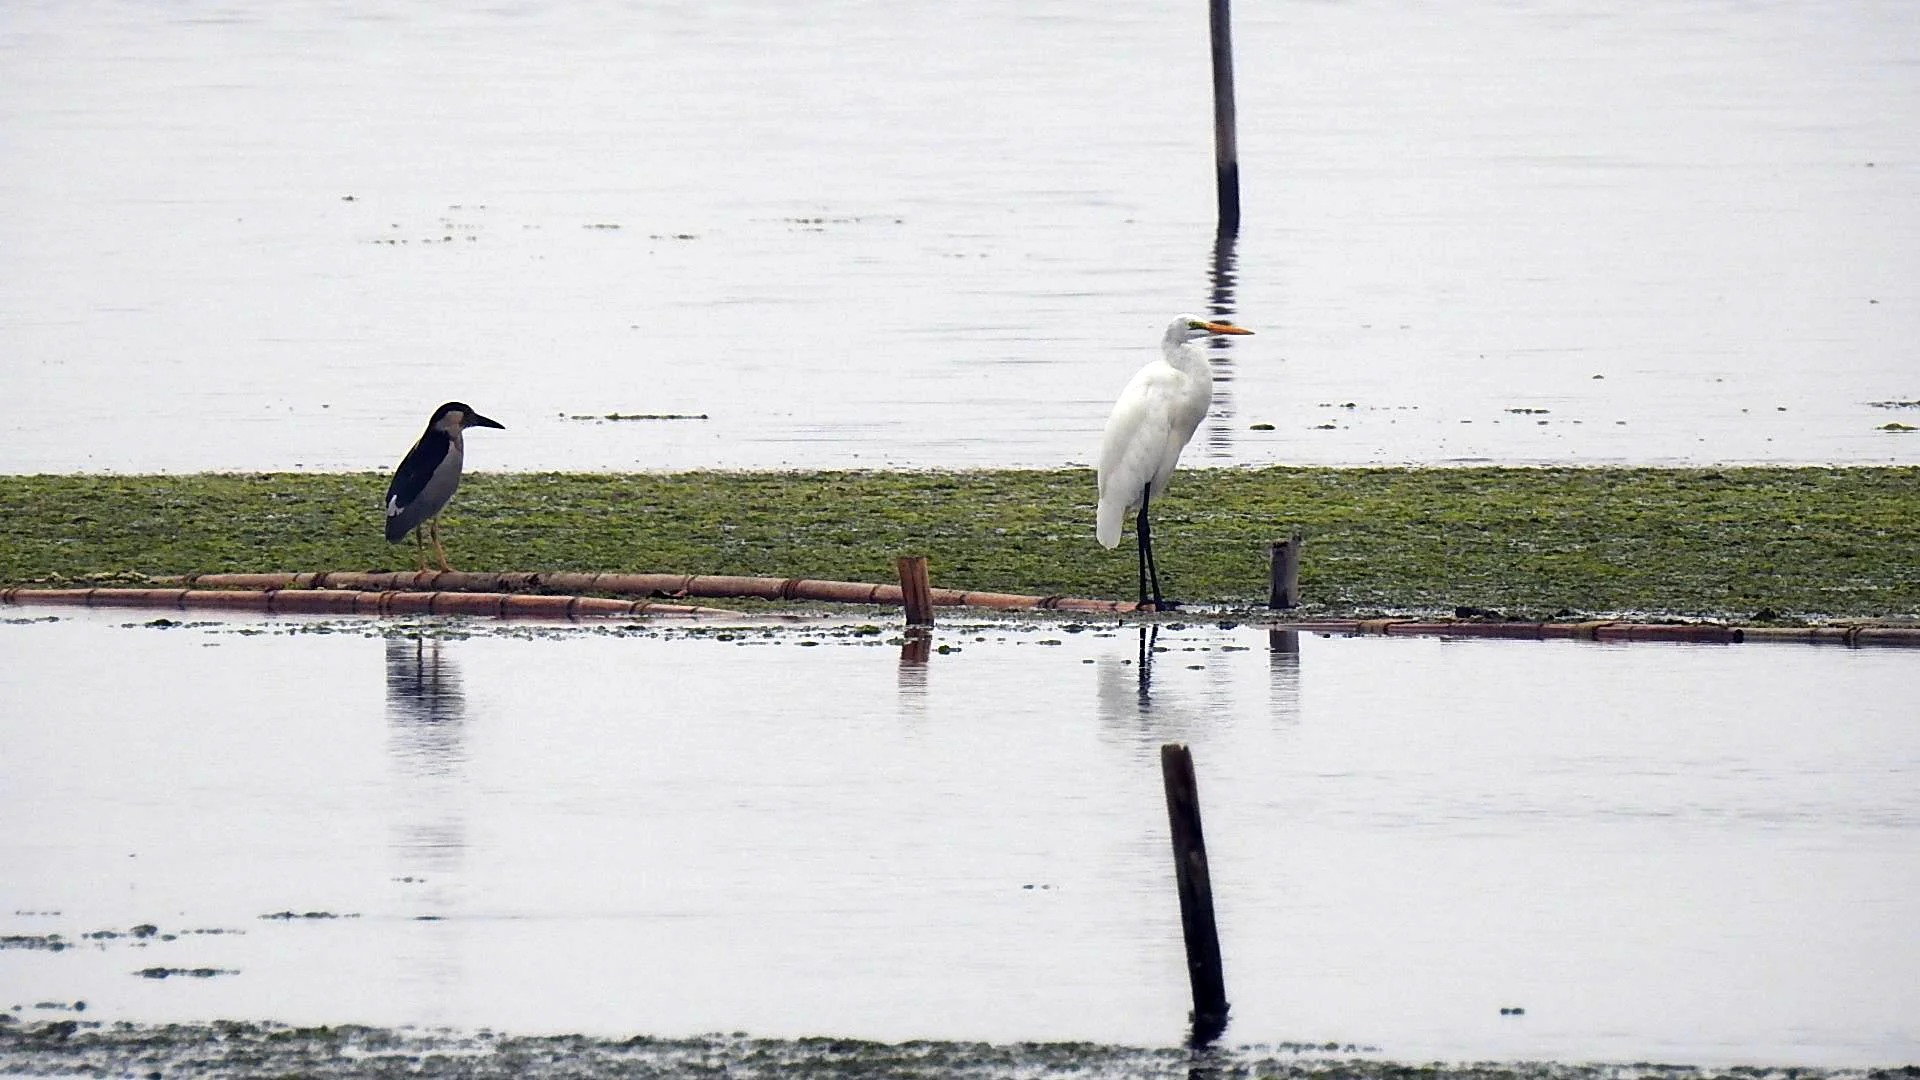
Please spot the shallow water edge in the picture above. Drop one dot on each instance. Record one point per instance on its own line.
(256, 1049)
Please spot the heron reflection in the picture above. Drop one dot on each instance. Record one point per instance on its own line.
(426, 737)
(426, 742)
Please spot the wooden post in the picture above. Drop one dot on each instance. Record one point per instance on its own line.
(1283, 583)
(915, 592)
(1196, 894)
(1226, 152)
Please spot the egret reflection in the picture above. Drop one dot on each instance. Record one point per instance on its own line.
(1178, 684)
(1131, 707)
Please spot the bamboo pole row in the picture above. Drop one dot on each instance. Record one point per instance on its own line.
(1615, 630)
(338, 594)
(357, 602)
(672, 586)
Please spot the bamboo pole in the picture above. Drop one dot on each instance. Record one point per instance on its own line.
(345, 602)
(320, 594)
(672, 586)
(1593, 630)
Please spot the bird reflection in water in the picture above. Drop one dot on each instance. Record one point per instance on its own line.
(426, 736)
(1198, 695)
(1143, 665)
(1129, 707)
(426, 741)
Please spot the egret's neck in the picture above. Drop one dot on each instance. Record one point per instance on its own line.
(1185, 358)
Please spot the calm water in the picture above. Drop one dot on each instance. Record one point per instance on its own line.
(1659, 852)
(862, 234)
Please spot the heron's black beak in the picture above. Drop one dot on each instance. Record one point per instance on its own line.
(476, 420)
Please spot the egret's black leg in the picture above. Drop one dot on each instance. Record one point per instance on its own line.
(1140, 546)
(1150, 570)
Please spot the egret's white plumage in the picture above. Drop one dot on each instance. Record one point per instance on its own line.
(1151, 423)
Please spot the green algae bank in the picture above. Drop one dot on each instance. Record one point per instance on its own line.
(1745, 543)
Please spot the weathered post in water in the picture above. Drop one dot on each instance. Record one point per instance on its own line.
(1196, 894)
(1226, 152)
(916, 592)
(1283, 582)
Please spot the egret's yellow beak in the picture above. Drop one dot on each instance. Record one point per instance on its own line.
(1221, 328)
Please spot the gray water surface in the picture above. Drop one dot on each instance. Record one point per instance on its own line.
(1667, 853)
(275, 236)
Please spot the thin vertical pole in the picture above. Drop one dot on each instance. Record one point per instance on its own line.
(1226, 151)
(1196, 893)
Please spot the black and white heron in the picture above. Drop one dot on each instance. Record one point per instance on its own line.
(1157, 413)
(428, 476)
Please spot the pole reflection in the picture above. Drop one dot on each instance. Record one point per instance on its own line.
(1222, 276)
(1283, 671)
(915, 650)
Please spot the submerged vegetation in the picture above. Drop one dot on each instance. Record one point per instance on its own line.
(1719, 542)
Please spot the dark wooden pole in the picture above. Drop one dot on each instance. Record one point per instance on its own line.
(915, 591)
(1283, 583)
(1226, 151)
(1196, 894)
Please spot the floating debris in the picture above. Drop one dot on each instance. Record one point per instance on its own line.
(48, 942)
(637, 416)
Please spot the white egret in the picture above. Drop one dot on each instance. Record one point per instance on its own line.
(428, 476)
(1156, 414)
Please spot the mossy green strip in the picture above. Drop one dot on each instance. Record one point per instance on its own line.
(1735, 542)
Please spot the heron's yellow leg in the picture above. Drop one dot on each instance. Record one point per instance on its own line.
(434, 527)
